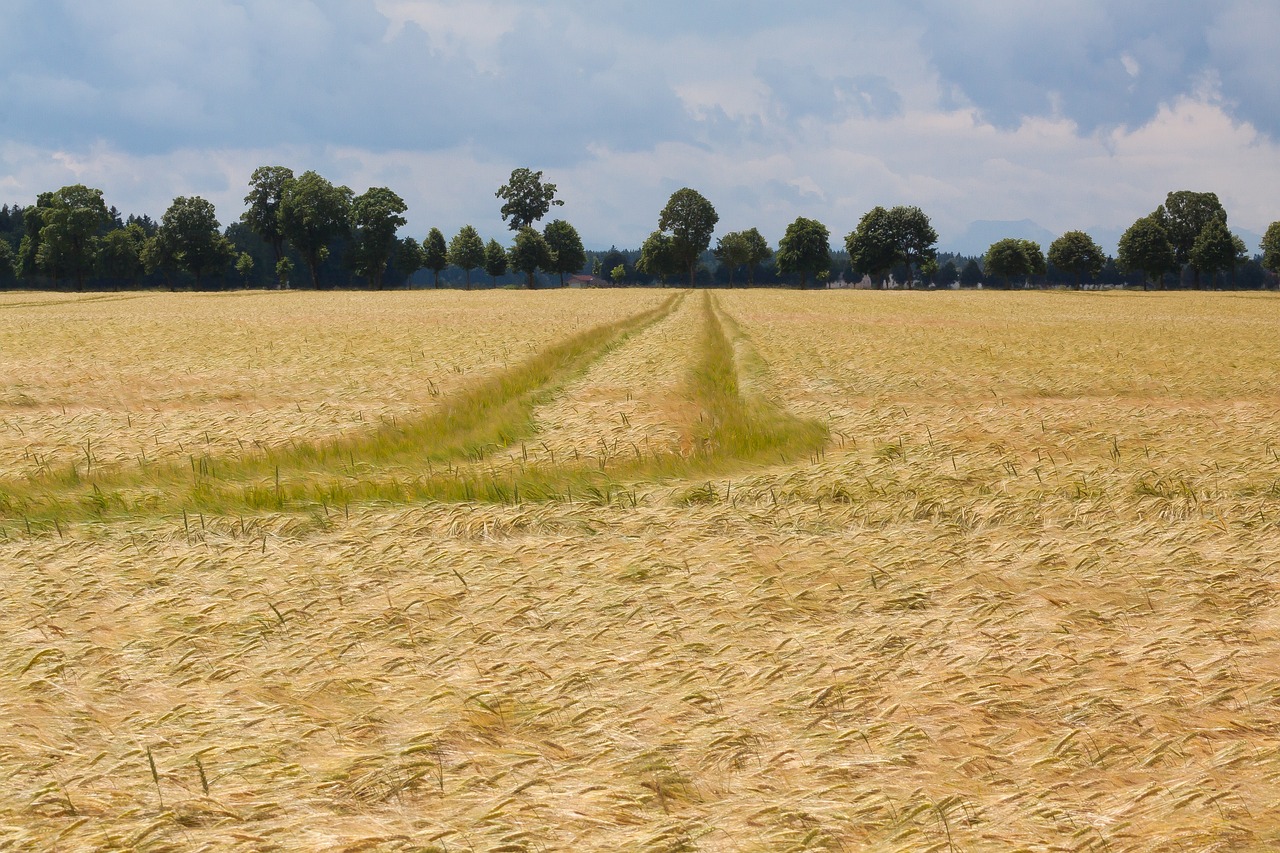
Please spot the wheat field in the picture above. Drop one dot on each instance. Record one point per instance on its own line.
(640, 570)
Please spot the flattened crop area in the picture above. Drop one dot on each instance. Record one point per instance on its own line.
(641, 570)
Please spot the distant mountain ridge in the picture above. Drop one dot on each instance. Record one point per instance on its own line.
(979, 235)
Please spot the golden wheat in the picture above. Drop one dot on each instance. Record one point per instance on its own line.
(1025, 600)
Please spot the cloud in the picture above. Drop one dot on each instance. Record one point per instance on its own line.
(1073, 114)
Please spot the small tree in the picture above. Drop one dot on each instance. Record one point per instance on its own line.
(567, 254)
(8, 265)
(1076, 252)
(658, 258)
(805, 249)
(1271, 250)
(284, 271)
(1145, 247)
(948, 274)
(758, 251)
(1214, 250)
(732, 252)
(466, 251)
(529, 254)
(971, 275)
(618, 274)
(526, 199)
(435, 254)
(495, 260)
(244, 267)
(408, 258)
(690, 219)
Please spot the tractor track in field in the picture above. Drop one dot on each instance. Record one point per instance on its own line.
(448, 454)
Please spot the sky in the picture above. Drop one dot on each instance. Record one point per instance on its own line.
(1076, 114)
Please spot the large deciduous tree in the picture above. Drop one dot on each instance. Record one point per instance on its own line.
(526, 198)
(267, 188)
(529, 254)
(376, 215)
(1145, 247)
(435, 254)
(466, 251)
(567, 254)
(871, 246)
(915, 240)
(690, 220)
(495, 261)
(72, 219)
(313, 213)
(1077, 253)
(189, 228)
(805, 249)
(885, 238)
(1184, 215)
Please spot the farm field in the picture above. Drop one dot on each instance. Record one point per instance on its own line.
(640, 570)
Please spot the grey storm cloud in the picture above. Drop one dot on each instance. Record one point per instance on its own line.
(1103, 64)
(152, 75)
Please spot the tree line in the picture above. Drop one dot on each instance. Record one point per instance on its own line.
(302, 230)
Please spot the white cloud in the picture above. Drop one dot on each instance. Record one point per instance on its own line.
(774, 111)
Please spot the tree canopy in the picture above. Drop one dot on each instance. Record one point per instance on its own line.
(871, 246)
(1077, 253)
(805, 249)
(1013, 258)
(495, 260)
(435, 254)
(1215, 249)
(742, 248)
(466, 251)
(886, 238)
(658, 257)
(529, 254)
(376, 215)
(1271, 249)
(526, 198)
(567, 254)
(314, 212)
(189, 229)
(1145, 247)
(690, 220)
(71, 220)
(267, 187)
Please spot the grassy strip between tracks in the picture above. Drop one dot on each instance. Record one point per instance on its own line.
(492, 414)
